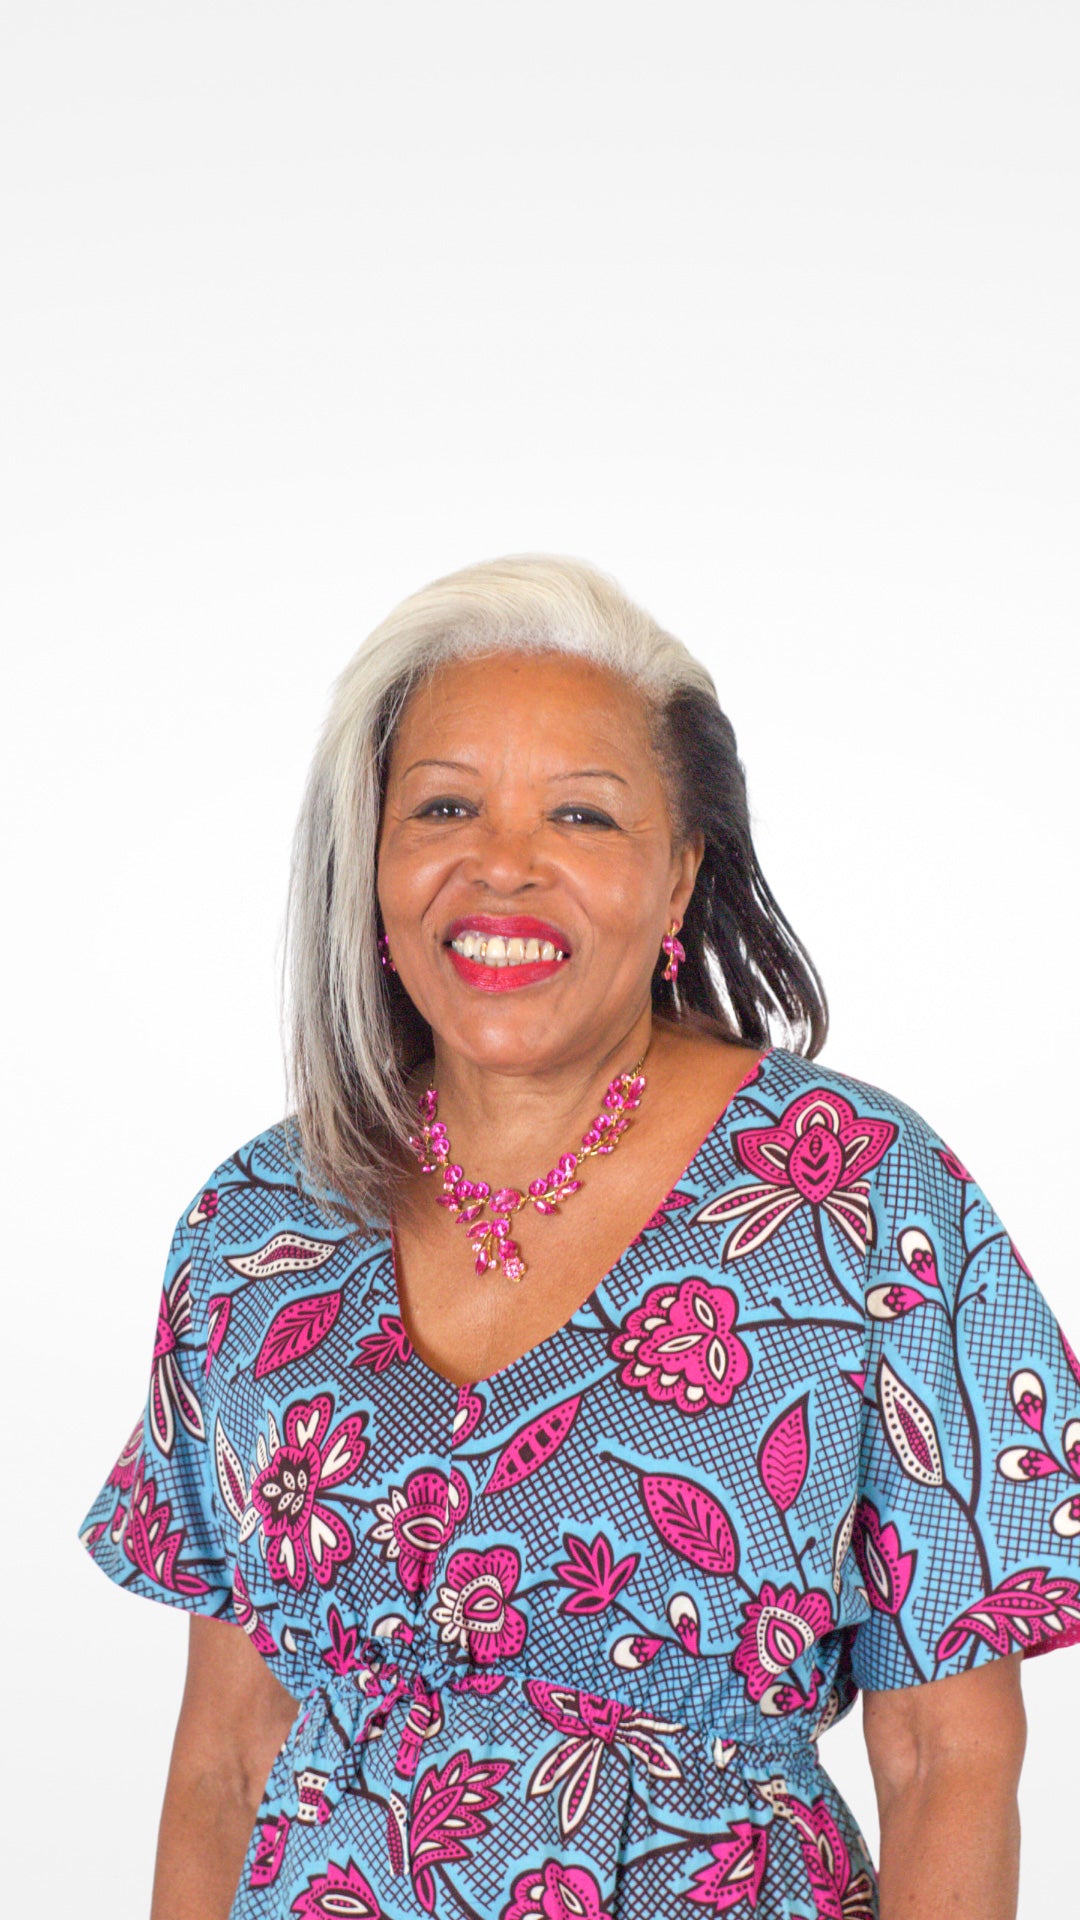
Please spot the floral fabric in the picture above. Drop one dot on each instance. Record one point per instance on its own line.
(564, 1642)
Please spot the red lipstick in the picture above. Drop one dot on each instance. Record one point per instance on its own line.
(512, 926)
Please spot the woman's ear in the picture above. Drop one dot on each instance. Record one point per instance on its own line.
(687, 860)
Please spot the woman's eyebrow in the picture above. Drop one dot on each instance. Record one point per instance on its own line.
(592, 773)
(579, 773)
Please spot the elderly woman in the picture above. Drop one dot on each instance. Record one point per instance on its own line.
(581, 1397)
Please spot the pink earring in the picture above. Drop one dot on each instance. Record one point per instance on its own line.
(384, 953)
(674, 949)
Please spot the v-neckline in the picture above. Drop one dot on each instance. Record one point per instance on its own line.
(461, 1388)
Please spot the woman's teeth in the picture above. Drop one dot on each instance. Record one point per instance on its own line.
(494, 951)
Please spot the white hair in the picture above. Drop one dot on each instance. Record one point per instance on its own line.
(348, 1064)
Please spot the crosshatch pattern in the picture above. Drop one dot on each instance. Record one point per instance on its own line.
(564, 1642)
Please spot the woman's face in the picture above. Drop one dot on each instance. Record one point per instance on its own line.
(525, 817)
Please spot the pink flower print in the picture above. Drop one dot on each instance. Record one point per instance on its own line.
(680, 1345)
(886, 1571)
(269, 1851)
(247, 1615)
(424, 1719)
(447, 1810)
(123, 1473)
(1028, 1396)
(954, 1168)
(888, 1302)
(218, 1308)
(170, 1395)
(592, 1726)
(778, 1627)
(150, 1545)
(634, 1650)
(839, 1893)
(1065, 1518)
(555, 1892)
(916, 1250)
(474, 1608)
(204, 1209)
(340, 1655)
(684, 1617)
(303, 1535)
(1026, 1609)
(736, 1870)
(389, 1347)
(593, 1573)
(815, 1156)
(1026, 1463)
(340, 1891)
(417, 1520)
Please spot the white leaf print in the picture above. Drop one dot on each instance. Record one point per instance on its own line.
(843, 1541)
(909, 1429)
(230, 1474)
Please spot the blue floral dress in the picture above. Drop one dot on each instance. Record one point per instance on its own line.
(563, 1642)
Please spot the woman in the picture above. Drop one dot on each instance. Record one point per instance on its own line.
(581, 1398)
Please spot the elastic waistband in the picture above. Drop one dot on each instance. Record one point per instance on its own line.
(366, 1692)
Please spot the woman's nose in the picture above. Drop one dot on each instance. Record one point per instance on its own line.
(506, 854)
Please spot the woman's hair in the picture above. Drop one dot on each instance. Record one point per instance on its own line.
(355, 1033)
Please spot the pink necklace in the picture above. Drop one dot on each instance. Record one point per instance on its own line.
(468, 1200)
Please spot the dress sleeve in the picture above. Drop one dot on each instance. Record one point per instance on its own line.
(153, 1526)
(967, 1525)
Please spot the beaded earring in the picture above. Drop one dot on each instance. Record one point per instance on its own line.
(674, 949)
(384, 953)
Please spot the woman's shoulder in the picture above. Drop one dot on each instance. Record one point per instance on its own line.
(258, 1211)
(888, 1131)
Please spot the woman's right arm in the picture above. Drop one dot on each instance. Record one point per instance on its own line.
(234, 1717)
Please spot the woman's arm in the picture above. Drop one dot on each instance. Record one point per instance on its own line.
(946, 1760)
(234, 1717)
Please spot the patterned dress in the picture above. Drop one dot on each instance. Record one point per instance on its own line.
(563, 1642)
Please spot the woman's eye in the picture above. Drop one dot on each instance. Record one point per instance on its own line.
(441, 810)
(588, 816)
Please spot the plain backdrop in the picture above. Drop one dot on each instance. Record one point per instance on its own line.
(772, 312)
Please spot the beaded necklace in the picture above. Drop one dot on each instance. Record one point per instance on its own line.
(470, 1200)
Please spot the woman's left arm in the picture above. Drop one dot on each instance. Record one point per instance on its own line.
(946, 1760)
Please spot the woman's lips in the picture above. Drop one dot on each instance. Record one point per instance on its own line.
(512, 926)
(516, 926)
(500, 979)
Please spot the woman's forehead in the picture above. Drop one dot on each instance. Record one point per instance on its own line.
(536, 693)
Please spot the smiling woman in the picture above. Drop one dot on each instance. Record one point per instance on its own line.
(583, 1394)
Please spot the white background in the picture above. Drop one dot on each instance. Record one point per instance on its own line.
(770, 311)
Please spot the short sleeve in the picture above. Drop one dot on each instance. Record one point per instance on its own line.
(967, 1526)
(152, 1525)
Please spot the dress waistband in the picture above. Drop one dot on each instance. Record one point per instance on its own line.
(379, 1672)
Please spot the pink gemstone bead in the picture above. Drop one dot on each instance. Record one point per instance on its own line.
(456, 1173)
(568, 1162)
(514, 1268)
(481, 1189)
(428, 1104)
(500, 1226)
(587, 1140)
(506, 1199)
(537, 1186)
(544, 1206)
